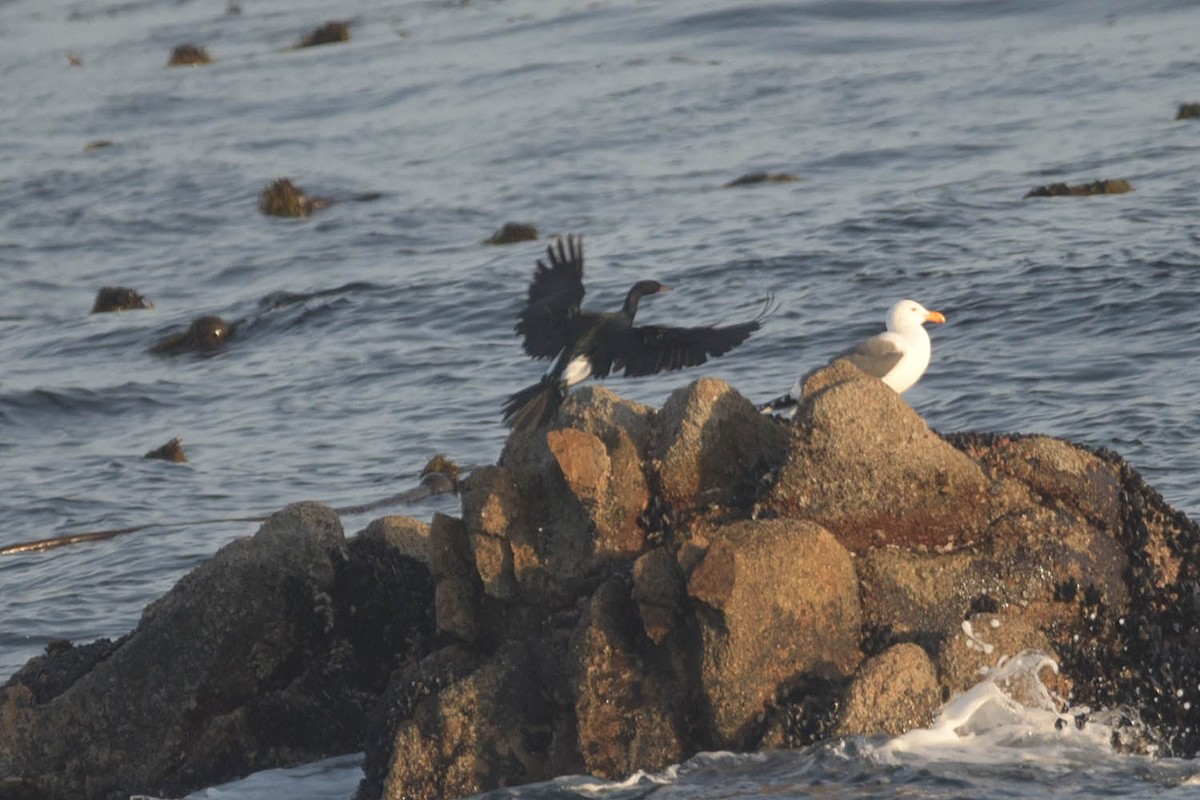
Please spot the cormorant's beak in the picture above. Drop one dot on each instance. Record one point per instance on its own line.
(935, 316)
(663, 288)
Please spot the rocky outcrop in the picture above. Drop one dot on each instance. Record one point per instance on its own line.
(629, 587)
(704, 577)
(243, 665)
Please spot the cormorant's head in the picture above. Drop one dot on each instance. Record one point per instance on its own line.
(640, 290)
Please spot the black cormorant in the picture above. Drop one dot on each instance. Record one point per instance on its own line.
(590, 344)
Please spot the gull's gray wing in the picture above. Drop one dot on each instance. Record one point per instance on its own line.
(875, 356)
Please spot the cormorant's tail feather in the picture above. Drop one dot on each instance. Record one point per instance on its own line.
(533, 406)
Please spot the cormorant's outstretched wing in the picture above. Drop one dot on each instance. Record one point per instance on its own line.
(653, 348)
(548, 323)
(647, 349)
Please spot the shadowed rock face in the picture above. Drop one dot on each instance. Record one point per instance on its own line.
(240, 667)
(627, 709)
(630, 587)
(275, 586)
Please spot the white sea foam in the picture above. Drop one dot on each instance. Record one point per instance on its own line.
(700, 763)
(333, 778)
(1011, 716)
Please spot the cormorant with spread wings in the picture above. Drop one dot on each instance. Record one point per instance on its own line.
(591, 344)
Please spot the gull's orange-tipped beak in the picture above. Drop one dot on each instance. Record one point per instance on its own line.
(935, 316)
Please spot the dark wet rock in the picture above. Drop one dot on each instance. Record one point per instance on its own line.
(756, 178)
(205, 334)
(272, 653)
(893, 692)
(240, 670)
(74, 60)
(407, 536)
(1114, 186)
(659, 589)
(629, 712)
(171, 451)
(283, 198)
(491, 727)
(1146, 656)
(513, 232)
(97, 144)
(449, 548)
(49, 675)
(118, 298)
(459, 589)
(1188, 111)
(414, 687)
(1061, 475)
(188, 55)
(384, 599)
(330, 33)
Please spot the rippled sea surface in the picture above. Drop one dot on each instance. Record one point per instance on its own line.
(375, 334)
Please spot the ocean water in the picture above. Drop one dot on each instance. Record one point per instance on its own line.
(375, 334)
